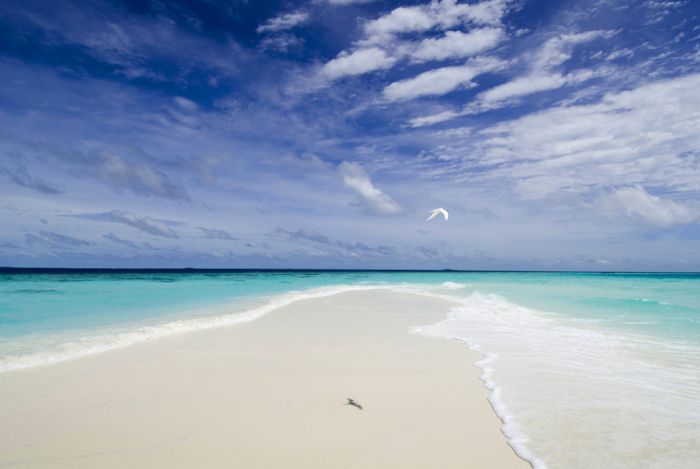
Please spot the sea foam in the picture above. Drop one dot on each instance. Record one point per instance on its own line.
(516, 437)
(573, 395)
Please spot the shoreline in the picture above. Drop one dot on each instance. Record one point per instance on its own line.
(216, 317)
(207, 318)
(190, 398)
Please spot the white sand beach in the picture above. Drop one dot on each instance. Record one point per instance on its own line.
(266, 394)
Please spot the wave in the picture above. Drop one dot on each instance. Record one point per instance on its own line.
(516, 437)
(648, 300)
(550, 370)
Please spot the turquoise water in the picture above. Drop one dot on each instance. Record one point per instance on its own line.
(585, 370)
(31, 304)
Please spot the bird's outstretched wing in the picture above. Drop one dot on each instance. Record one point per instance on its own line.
(438, 211)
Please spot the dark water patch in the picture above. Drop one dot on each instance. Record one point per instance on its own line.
(31, 291)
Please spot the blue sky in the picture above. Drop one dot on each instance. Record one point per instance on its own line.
(225, 133)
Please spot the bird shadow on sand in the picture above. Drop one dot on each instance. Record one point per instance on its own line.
(353, 403)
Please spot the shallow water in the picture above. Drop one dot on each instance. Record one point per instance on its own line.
(587, 370)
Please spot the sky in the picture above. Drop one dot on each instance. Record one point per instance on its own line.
(560, 135)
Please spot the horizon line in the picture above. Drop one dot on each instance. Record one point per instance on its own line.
(10, 269)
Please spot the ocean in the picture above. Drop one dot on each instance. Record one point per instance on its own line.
(585, 369)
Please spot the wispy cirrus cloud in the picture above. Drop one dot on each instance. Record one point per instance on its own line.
(357, 63)
(440, 81)
(330, 245)
(541, 75)
(56, 240)
(120, 174)
(283, 22)
(373, 198)
(440, 15)
(582, 149)
(124, 242)
(140, 178)
(348, 2)
(636, 203)
(128, 43)
(457, 44)
(20, 176)
(383, 44)
(142, 223)
(215, 233)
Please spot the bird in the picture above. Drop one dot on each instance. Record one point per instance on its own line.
(438, 211)
(353, 403)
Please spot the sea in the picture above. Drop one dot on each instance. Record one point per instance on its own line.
(586, 370)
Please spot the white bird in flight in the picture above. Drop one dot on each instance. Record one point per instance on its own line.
(438, 211)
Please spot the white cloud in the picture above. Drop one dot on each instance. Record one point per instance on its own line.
(557, 50)
(139, 178)
(437, 14)
(539, 77)
(357, 63)
(374, 199)
(381, 47)
(348, 2)
(433, 118)
(620, 53)
(645, 136)
(490, 12)
(456, 44)
(636, 203)
(506, 94)
(400, 20)
(440, 81)
(282, 42)
(522, 86)
(185, 103)
(283, 22)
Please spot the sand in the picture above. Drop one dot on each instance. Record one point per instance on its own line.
(265, 394)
